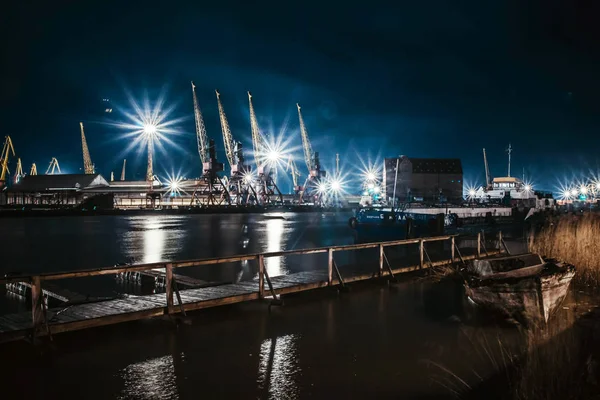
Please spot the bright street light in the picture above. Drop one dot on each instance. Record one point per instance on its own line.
(273, 156)
(528, 188)
(370, 176)
(583, 189)
(149, 129)
(574, 192)
(335, 185)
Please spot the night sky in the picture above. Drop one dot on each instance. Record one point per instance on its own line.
(420, 78)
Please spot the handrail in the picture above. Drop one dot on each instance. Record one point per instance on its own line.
(211, 261)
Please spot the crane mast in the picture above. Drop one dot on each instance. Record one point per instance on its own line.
(210, 187)
(123, 170)
(257, 139)
(487, 170)
(201, 136)
(266, 185)
(227, 136)
(7, 149)
(53, 167)
(240, 183)
(88, 167)
(308, 152)
(33, 169)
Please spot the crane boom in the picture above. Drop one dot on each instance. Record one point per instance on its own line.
(7, 149)
(308, 152)
(487, 171)
(291, 166)
(123, 170)
(227, 136)
(33, 169)
(258, 142)
(200, 129)
(88, 167)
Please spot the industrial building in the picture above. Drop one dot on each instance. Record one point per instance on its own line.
(425, 180)
(67, 189)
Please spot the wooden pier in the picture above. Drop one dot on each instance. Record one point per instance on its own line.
(41, 321)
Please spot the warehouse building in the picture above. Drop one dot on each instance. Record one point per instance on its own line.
(67, 189)
(424, 180)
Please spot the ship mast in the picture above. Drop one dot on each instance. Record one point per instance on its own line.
(509, 150)
(487, 170)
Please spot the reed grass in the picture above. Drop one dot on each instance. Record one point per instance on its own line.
(574, 239)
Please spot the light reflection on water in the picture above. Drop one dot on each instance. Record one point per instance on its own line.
(150, 379)
(275, 233)
(279, 368)
(153, 238)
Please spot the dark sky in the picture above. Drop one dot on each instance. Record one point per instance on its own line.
(421, 78)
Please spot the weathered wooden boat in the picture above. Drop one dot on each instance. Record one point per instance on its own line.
(523, 287)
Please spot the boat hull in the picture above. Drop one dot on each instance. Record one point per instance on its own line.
(530, 295)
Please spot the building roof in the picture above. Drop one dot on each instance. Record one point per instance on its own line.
(506, 179)
(40, 183)
(431, 165)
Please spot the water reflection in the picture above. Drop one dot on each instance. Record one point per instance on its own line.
(154, 241)
(279, 367)
(275, 230)
(153, 238)
(150, 379)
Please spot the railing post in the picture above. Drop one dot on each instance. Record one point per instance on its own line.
(261, 276)
(500, 240)
(421, 248)
(36, 302)
(478, 244)
(169, 287)
(380, 260)
(452, 247)
(329, 266)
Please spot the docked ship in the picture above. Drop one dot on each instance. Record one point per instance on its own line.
(509, 190)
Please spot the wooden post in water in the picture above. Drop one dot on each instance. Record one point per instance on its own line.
(381, 255)
(36, 303)
(330, 266)
(452, 245)
(478, 244)
(169, 287)
(261, 276)
(499, 240)
(421, 251)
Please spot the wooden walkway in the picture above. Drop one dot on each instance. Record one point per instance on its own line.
(42, 321)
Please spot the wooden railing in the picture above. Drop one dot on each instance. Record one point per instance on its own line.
(39, 310)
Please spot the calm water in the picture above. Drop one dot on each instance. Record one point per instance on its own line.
(374, 342)
(57, 244)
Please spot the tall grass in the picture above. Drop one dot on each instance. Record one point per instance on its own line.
(574, 239)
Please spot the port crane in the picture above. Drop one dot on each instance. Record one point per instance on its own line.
(88, 167)
(240, 182)
(7, 149)
(210, 186)
(33, 169)
(123, 170)
(315, 173)
(267, 188)
(53, 167)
